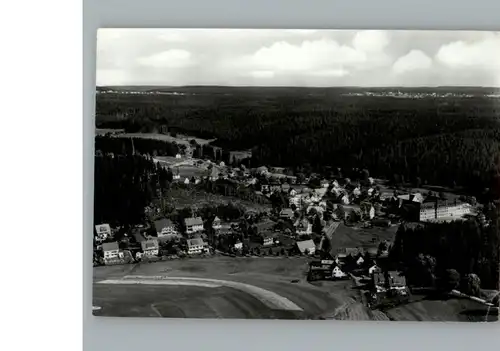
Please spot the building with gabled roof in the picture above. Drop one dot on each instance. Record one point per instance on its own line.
(150, 247)
(193, 225)
(196, 246)
(306, 246)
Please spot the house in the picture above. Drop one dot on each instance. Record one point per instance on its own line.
(111, 251)
(103, 231)
(356, 192)
(262, 170)
(287, 213)
(267, 241)
(415, 197)
(292, 192)
(285, 188)
(306, 247)
(368, 211)
(193, 225)
(443, 210)
(150, 247)
(303, 227)
(388, 280)
(360, 260)
(238, 245)
(216, 224)
(196, 246)
(337, 273)
(374, 269)
(165, 227)
(186, 181)
(345, 199)
(178, 156)
(324, 183)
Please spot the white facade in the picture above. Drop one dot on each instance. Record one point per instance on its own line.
(453, 211)
(196, 249)
(238, 246)
(345, 200)
(194, 228)
(268, 242)
(337, 273)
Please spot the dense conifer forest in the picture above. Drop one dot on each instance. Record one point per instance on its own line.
(445, 140)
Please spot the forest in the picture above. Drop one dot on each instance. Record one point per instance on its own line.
(124, 185)
(428, 253)
(452, 141)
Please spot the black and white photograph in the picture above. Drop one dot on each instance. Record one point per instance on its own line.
(297, 174)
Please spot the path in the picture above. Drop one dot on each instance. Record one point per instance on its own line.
(269, 298)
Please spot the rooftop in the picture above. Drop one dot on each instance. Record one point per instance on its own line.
(163, 223)
(110, 246)
(193, 221)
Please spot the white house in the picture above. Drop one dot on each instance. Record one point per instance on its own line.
(286, 213)
(216, 224)
(345, 200)
(186, 181)
(293, 192)
(360, 261)
(238, 246)
(178, 156)
(193, 225)
(176, 176)
(103, 231)
(196, 246)
(356, 192)
(165, 227)
(303, 227)
(150, 247)
(371, 180)
(373, 269)
(110, 251)
(267, 241)
(337, 273)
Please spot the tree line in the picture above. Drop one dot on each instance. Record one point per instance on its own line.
(417, 140)
(434, 253)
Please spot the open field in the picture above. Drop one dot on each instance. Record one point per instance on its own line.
(181, 197)
(452, 310)
(179, 139)
(345, 236)
(220, 297)
(272, 274)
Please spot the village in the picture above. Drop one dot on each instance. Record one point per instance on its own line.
(304, 217)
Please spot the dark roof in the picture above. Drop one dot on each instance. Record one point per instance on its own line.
(163, 223)
(110, 246)
(149, 244)
(139, 237)
(194, 221)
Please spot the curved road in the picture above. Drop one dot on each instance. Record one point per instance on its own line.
(268, 298)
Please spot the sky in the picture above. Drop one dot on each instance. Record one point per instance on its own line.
(310, 58)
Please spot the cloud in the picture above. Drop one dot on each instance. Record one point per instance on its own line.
(414, 60)
(460, 54)
(371, 41)
(173, 58)
(306, 57)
